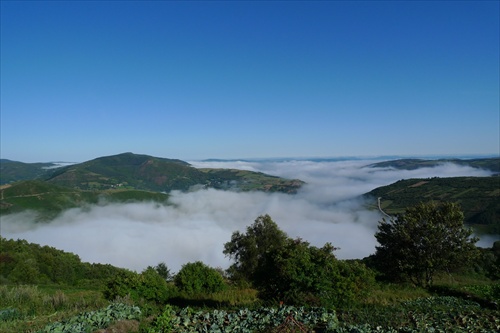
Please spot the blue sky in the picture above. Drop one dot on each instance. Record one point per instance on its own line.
(196, 80)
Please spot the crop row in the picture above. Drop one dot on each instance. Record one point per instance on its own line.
(91, 321)
(432, 314)
(243, 320)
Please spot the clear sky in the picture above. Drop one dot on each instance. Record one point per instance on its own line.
(200, 79)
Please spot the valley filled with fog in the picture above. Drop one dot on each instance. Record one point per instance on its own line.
(198, 223)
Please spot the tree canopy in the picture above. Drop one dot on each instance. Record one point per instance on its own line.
(198, 278)
(250, 248)
(292, 270)
(426, 239)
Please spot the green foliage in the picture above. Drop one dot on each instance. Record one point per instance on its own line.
(248, 249)
(28, 308)
(152, 286)
(243, 320)
(48, 200)
(299, 274)
(148, 285)
(162, 175)
(198, 278)
(91, 321)
(9, 314)
(228, 179)
(488, 263)
(427, 239)
(478, 198)
(22, 262)
(164, 322)
(492, 164)
(12, 171)
(429, 314)
(164, 271)
(490, 292)
(293, 271)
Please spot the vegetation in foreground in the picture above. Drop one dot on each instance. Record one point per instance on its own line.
(276, 284)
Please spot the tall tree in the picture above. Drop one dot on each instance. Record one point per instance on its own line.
(426, 239)
(164, 271)
(291, 270)
(248, 249)
(300, 274)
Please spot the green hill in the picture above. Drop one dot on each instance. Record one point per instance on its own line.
(479, 197)
(492, 164)
(123, 178)
(49, 199)
(13, 171)
(163, 175)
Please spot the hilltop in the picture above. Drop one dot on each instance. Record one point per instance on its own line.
(119, 178)
(143, 172)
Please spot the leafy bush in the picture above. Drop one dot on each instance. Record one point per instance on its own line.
(121, 285)
(148, 285)
(298, 273)
(152, 286)
(198, 278)
(488, 292)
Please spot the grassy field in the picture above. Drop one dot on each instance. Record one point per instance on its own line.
(387, 305)
(33, 307)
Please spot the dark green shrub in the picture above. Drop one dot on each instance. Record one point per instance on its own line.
(152, 286)
(148, 285)
(299, 274)
(121, 285)
(198, 278)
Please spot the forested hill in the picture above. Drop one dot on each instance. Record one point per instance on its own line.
(28, 263)
(12, 171)
(143, 172)
(479, 197)
(492, 164)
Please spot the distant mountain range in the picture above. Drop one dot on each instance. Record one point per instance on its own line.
(123, 177)
(492, 164)
(142, 172)
(50, 189)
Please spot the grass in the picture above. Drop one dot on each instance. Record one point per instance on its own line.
(35, 307)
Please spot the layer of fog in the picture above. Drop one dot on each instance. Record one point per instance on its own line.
(197, 224)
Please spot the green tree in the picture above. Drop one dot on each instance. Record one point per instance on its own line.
(293, 271)
(198, 278)
(426, 239)
(121, 284)
(164, 271)
(26, 271)
(152, 286)
(298, 273)
(248, 249)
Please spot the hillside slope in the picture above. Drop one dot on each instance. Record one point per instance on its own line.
(48, 200)
(492, 164)
(479, 197)
(13, 171)
(163, 175)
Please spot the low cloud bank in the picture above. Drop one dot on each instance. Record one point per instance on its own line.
(197, 224)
